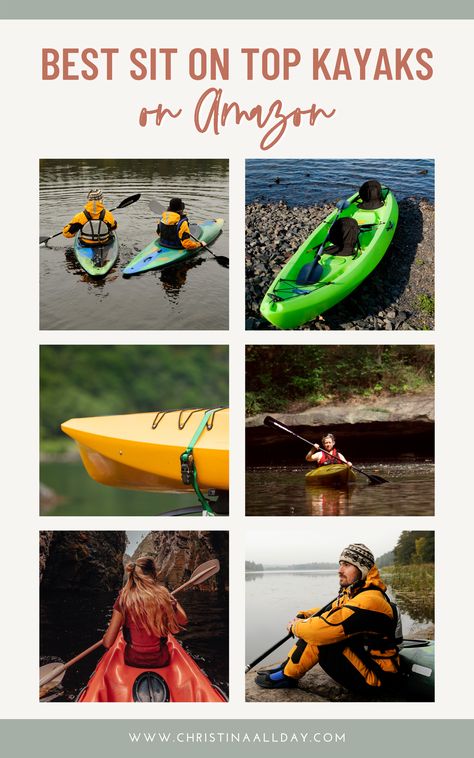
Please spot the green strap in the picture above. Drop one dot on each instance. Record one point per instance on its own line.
(189, 474)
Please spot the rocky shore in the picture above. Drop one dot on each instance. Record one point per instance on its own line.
(398, 295)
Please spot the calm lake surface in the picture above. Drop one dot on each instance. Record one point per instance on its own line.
(70, 622)
(274, 597)
(283, 491)
(79, 495)
(309, 182)
(193, 295)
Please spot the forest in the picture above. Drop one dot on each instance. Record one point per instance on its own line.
(97, 380)
(294, 377)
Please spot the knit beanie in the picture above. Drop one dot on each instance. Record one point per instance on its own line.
(95, 194)
(360, 556)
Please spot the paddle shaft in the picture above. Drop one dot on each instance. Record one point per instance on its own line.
(269, 421)
(200, 574)
(124, 204)
(250, 666)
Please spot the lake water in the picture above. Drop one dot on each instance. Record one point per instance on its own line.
(274, 597)
(283, 491)
(192, 295)
(79, 495)
(71, 622)
(309, 182)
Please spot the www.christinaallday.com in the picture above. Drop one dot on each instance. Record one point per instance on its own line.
(237, 737)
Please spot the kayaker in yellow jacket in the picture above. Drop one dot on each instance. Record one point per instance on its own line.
(96, 221)
(328, 455)
(353, 638)
(173, 227)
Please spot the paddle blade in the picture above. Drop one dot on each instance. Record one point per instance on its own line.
(156, 207)
(204, 571)
(310, 273)
(50, 676)
(222, 260)
(376, 479)
(128, 201)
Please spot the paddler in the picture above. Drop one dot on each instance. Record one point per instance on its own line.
(148, 613)
(173, 227)
(328, 455)
(96, 221)
(353, 638)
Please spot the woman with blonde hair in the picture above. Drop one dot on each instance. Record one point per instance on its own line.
(148, 613)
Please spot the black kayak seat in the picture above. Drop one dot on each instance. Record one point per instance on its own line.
(371, 195)
(150, 687)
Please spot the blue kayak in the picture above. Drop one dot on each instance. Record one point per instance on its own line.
(154, 256)
(97, 260)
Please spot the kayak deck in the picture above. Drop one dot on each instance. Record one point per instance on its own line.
(289, 303)
(154, 256)
(332, 475)
(142, 450)
(96, 260)
(182, 681)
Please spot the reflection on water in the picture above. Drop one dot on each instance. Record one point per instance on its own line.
(274, 597)
(285, 492)
(195, 297)
(71, 622)
(79, 495)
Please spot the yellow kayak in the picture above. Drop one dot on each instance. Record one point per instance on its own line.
(143, 450)
(331, 475)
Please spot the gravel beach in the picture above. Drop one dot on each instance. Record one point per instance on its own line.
(399, 294)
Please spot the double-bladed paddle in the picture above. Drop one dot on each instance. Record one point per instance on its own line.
(269, 421)
(53, 673)
(158, 208)
(75, 227)
(311, 272)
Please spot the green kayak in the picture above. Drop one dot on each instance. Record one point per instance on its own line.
(97, 260)
(155, 256)
(294, 298)
(331, 475)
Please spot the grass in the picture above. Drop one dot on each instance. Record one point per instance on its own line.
(426, 304)
(411, 578)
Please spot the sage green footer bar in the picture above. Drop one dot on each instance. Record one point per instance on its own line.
(252, 9)
(212, 737)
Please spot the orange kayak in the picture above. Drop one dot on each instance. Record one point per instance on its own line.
(182, 681)
(143, 450)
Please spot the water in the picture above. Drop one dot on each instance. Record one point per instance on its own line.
(79, 495)
(274, 597)
(309, 182)
(284, 492)
(193, 295)
(71, 622)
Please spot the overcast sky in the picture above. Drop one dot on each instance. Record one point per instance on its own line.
(134, 539)
(321, 542)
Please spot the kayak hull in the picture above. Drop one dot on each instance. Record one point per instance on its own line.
(96, 260)
(418, 669)
(154, 256)
(288, 304)
(114, 682)
(332, 475)
(134, 452)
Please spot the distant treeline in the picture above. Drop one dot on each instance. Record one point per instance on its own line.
(414, 548)
(251, 566)
(97, 380)
(278, 376)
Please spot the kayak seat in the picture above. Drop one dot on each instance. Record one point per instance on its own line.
(150, 687)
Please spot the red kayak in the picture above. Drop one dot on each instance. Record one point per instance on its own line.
(182, 681)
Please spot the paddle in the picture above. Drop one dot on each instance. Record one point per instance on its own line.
(52, 672)
(158, 208)
(250, 666)
(75, 227)
(269, 421)
(310, 273)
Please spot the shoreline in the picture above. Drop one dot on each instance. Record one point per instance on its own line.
(397, 295)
